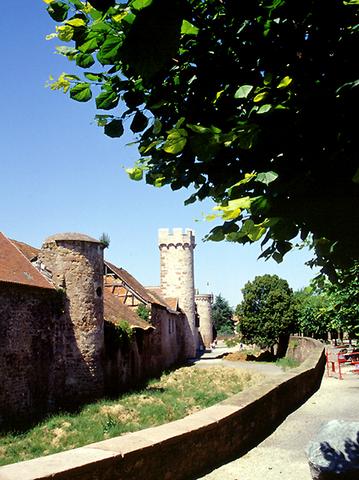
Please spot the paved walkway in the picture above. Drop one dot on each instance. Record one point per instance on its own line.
(282, 455)
(214, 357)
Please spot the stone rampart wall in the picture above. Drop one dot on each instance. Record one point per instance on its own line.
(30, 343)
(147, 354)
(186, 448)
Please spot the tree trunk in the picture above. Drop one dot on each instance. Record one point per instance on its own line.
(282, 345)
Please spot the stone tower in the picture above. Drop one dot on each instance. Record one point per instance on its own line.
(177, 278)
(76, 265)
(204, 310)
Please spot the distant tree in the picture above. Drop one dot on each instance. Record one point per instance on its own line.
(105, 240)
(222, 315)
(267, 314)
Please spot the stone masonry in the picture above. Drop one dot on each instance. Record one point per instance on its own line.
(76, 263)
(177, 278)
(204, 310)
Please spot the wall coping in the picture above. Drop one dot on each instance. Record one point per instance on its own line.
(95, 461)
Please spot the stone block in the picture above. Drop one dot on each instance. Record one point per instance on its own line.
(334, 453)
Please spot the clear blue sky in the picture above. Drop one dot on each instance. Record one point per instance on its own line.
(59, 172)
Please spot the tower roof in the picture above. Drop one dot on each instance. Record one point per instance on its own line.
(74, 236)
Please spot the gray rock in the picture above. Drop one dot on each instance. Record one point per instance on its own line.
(334, 453)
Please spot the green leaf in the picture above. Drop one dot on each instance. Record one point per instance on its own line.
(58, 11)
(264, 108)
(140, 4)
(65, 33)
(285, 82)
(81, 92)
(84, 60)
(356, 177)
(102, 119)
(107, 100)
(135, 173)
(69, 52)
(254, 232)
(267, 78)
(260, 96)
(243, 91)
(216, 234)
(157, 126)
(94, 77)
(108, 53)
(176, 141)
(76, 22)
(188, 29)
(278, 257)
(266, 177)
(90, 43)
(114, 129)
(139, 122)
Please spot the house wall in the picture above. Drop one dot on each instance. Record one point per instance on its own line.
(30, 352)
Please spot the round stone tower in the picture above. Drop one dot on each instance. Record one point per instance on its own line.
(76, 264)
(204, 310)
(177, 278)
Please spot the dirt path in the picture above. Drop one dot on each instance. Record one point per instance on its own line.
(282, 454)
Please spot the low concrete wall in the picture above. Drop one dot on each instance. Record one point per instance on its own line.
(189, 447)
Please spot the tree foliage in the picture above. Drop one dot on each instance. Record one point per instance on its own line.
(251, 103)
(342, 306)
(314, 318)
(267, 314)
(222, 316)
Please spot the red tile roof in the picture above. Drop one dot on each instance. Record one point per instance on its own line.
(16, 268)
(30, 252)
(115, 311)
(136, 286)
(170, 303)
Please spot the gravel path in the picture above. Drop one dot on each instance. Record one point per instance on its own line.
(282, 455)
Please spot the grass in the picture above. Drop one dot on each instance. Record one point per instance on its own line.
(287, 362)
(169, 398)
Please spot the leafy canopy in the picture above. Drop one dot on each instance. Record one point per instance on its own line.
(268, 311)
(342, 306)
(251, 103)
(314, 318)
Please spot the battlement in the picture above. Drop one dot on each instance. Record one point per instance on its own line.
(204, 297)
(176, 237)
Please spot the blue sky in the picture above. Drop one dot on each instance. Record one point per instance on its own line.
(59, 172)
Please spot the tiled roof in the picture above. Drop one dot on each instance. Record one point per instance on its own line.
(115, 311)
(30, 252)
(136, 286)
(170, 303)
(16, 268)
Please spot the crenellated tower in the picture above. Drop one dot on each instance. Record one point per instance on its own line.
(204, 310)
(177, 277)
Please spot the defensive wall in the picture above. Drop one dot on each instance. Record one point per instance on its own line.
(187, 448)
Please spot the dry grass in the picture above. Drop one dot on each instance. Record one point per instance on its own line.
(173, 396)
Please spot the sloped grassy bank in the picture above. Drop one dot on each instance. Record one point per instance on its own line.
(173, 396)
